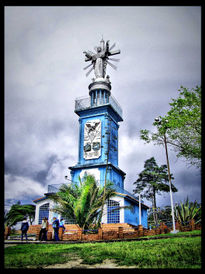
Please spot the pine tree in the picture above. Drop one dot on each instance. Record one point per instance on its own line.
(152, 181)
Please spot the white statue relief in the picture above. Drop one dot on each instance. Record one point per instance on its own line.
(99, 60)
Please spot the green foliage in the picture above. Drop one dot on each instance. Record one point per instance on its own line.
(17, 212)
(182, 125)
(163, 214)
(175, 252)
(184, 212)
(82, 202)
(152, 181)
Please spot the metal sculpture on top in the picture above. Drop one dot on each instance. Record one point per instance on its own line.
(99, 60)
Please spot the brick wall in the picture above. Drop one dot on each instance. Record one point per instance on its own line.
(110, 231)
(70, 237)
(90, 237)
(110, 235)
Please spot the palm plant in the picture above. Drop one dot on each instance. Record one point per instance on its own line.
(82, 202)
(187, 211)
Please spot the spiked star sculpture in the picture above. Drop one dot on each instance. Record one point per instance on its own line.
(99, 60)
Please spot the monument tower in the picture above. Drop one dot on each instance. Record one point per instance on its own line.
(99, 117)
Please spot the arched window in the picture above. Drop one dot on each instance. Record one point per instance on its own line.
(113, 216)
(43, 212)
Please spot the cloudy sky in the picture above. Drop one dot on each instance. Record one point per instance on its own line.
(44, 60)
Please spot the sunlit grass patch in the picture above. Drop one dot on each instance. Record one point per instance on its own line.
(176, 252)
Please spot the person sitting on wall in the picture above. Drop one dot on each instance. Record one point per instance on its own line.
(44, 229)
(62, 222)
(55, 226)
(24, 228)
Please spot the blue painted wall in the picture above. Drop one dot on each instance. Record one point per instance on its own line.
(112, 175)
(132, 216)
(109, 129)
(109, 134)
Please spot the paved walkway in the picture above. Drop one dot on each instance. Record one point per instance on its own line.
(8, 242)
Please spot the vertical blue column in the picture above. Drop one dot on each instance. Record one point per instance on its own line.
(91, 98)
(96, 97)
(100, 97)
(80, 141)
(107, 101)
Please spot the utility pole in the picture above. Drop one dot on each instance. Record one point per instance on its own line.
(170, 184)
(169, 176)
(139, 209)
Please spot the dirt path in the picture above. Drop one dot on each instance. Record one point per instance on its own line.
(7, 245)
(77, 263)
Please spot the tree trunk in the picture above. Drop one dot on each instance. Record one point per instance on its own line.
(155, 207)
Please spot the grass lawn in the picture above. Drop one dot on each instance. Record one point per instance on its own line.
(176, 252)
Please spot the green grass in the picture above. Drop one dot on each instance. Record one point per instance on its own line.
(176, 252)
(179, 234)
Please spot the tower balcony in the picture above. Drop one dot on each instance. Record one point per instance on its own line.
(84, 103)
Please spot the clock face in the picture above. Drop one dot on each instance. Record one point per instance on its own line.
(92, 139)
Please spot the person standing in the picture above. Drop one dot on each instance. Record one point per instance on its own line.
(55, 225)
(44, 229)
(24, 228)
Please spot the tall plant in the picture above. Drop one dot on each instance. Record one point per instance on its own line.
(82, 202)
(184, 212)
(152, 181)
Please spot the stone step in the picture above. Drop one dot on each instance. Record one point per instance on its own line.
(19, 238)
(114, 226)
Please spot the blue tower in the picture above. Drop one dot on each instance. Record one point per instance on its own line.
(99, 117)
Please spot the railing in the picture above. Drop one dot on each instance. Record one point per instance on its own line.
(85, 103)
(54, 188)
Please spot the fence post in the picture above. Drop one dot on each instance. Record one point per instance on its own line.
(60, 235)
(80, 234)
(100, 235)
(38, 228)
(140, 230)
(157, 230)
(120, 232)
(178, 226)
(192, 224)
(7, 232)
(162, 226)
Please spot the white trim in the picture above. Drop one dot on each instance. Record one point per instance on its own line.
(51, 213)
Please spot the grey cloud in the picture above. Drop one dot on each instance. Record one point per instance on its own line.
(160, 51)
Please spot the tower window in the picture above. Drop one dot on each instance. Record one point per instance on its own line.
(113, 212)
